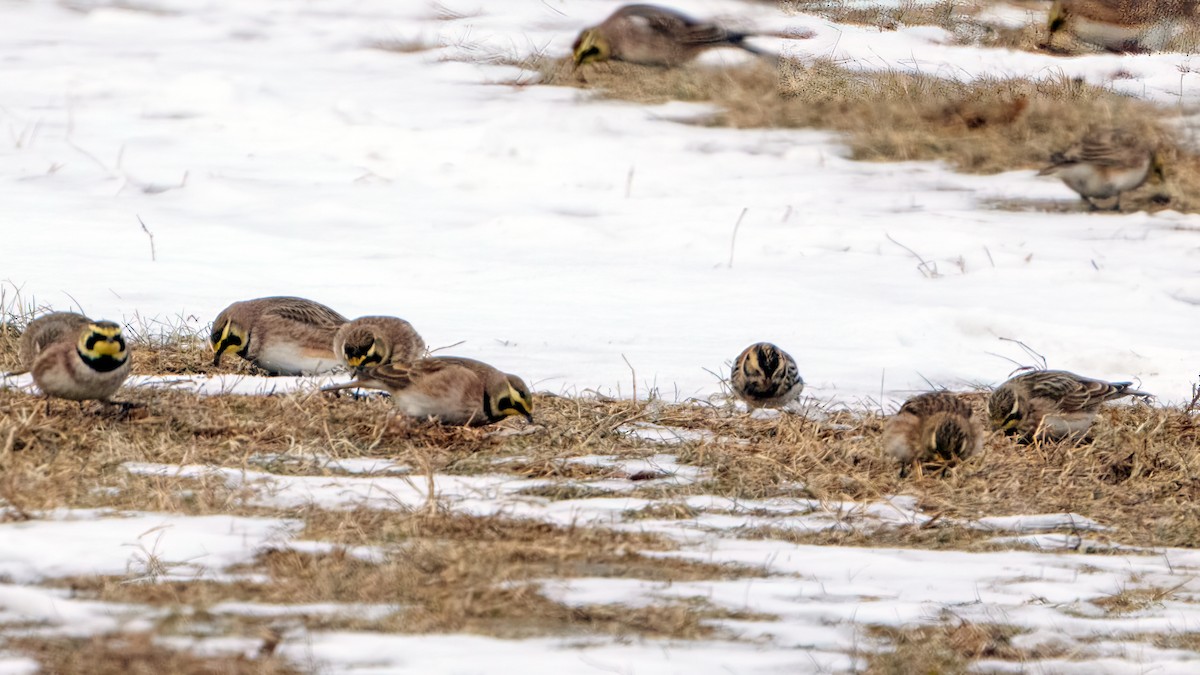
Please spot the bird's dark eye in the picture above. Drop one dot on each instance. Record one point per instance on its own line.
(591, 51)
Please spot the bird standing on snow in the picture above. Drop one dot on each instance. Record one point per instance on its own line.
(653, 36)
(765, 376)
(932, 427)
(1052, 404)
(1105, 163)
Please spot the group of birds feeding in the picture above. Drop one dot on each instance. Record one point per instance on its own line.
(1104, 163)
(73, 357)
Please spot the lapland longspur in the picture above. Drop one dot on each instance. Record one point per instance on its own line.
(75, 358)
(932, 427)
(765, 376)
(1120, 25)
(374, 340)
(449, 390)
(1052, 404)
(654, 36)
(281, 335)
(1105, 163)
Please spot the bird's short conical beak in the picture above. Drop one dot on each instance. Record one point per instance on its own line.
(529, 417)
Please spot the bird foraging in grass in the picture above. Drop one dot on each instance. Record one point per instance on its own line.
(281, 335)
(936, 427)
(1120, 25)
(448, 390)
(1105, 163)
(765, 376)
(654, 36)
(1052, 404)
(75, 358)
(374, 340)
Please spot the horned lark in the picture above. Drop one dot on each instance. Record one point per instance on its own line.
(1120, 25)
(1052, 404)
(765, 376)
(76, 360)
(282, 335)
(933, 427)
(373, 340)
(448, 390)
(1105, 163)
(653, 36)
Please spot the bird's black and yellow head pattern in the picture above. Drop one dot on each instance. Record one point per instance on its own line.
(362, 348)
(509, 396)
(227, 335)
(1005, 410)
(591, 47)
(102, 346)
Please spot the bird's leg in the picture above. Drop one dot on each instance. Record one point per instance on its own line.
(47, 405)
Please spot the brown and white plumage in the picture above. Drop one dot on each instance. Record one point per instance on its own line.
(1052, 404)
(374, 340)
(1120, 25)
(933, 427)
(45, 330)
(1104, 163)
(652, 35)
(77, 361)
(765, 376)
(282, 335)
(449, 390)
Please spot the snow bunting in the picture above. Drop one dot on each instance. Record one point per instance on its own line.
(282, 335)
(653, 36)
(1105, 163)
(1052, 404)
(765, 376)
(1120, 25)
(373, 340)
(75, 358)
(448, 390)
(932, 427)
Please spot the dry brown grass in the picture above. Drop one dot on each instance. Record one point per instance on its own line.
(1138, 476)
(447, 573)
(136, 654)
(943, 649)
(982, 126)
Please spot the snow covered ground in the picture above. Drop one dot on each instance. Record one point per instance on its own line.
(269, 149)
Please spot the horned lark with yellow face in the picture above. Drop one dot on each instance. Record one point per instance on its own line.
(1052, 404)
(374, 340)
(933, 427)
(281, 335)
(74, 358)
(1105, 163)
(765, 376)
(449, 390)
(653, 36)
(1120, 25)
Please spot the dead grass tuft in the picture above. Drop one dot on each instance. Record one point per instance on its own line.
(137, 654)
(945, 649)
(982, 126)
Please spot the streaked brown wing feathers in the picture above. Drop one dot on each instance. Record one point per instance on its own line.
(306, 311)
